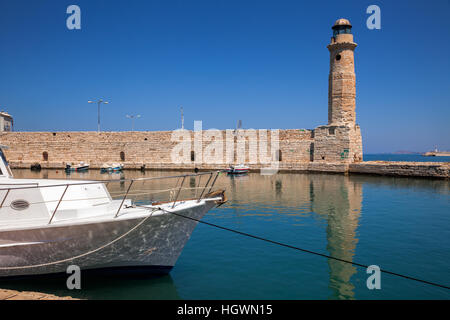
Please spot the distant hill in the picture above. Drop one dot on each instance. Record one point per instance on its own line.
(406, 152)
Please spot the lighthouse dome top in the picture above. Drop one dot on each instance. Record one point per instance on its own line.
(341, 26)
(342, 22)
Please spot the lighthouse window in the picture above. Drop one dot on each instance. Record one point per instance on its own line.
(341, 30)
(338, 57)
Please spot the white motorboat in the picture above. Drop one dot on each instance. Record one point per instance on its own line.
(47, 225)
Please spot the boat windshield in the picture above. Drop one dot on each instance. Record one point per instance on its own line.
(2, 156)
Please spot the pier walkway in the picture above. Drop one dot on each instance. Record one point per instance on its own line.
(434, 170)
(28, 295)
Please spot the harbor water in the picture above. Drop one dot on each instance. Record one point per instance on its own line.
(399, 224)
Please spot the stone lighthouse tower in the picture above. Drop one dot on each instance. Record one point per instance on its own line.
(341, 81)
(340, 140)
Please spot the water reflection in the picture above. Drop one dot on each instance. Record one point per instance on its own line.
(292, 200)
(138, 287)
(278, 188)
(338, 200)
(334, 199)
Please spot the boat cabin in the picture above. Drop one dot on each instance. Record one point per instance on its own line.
(36, 200)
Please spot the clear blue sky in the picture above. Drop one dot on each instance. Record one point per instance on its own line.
(264, 62)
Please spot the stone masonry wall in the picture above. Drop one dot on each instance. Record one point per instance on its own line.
(152, 148)
(337, 144)
(298, 148)
(405, 169)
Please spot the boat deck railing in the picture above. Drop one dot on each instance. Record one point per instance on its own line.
(135, 189)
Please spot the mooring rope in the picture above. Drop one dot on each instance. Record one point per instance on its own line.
(230, 230)
(305, 250)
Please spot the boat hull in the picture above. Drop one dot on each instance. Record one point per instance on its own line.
(238, 171)
(151, 244)
(77, 169)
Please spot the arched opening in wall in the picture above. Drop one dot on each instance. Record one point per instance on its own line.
(279, 155)
(338, 57)
(45, 156)
(122, 156)
(192, 155)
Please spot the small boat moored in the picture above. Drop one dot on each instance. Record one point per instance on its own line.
(239, 169)
(82, 166)
(111, 167)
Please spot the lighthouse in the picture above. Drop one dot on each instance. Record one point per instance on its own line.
(340, 140)
(342, 80)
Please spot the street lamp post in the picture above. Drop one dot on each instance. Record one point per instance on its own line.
(100, 101)
(182, 117)
(133, 117)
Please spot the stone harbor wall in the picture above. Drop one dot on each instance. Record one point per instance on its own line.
(294, 146)
(328, 149)
(155, 148)
(403, 168)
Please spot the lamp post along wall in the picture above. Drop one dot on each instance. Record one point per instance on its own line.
(100, 101)
(133, 117)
